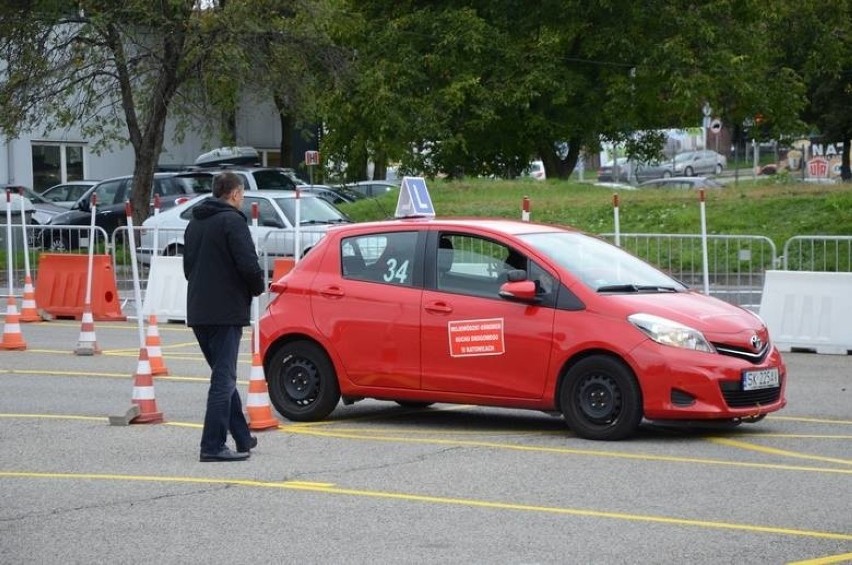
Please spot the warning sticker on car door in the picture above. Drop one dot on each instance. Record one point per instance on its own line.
(476, 337)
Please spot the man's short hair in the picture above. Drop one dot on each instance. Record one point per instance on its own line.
(225, 183)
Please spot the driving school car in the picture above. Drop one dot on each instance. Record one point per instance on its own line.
(509, 314)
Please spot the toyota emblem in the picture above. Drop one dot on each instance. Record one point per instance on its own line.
(756, 343)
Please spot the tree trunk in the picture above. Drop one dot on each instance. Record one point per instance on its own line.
(845, 170)
(288, 125)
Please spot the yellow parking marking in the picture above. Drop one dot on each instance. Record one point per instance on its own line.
(776, 451)
(829, 560)
(811, 420)
(128, 375)
(299, 429)
(327, 488)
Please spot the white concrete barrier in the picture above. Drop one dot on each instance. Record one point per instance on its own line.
(165, 294)
(808, 311)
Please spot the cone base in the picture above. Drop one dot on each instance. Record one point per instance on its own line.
(266, 424)
(29, 318)
(149, 418)
(159, 372)
(13, 346)
(87, 350)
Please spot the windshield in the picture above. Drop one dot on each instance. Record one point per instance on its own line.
(598, 264)
(684, 157)
(313, 211)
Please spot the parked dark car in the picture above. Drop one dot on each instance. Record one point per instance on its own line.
(111, 195)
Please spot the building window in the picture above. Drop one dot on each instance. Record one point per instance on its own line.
(55, 163)
(270, 157)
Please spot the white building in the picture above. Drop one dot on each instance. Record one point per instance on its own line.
(40, 160)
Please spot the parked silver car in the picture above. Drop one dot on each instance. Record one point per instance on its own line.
(687, 164)
(276, 223)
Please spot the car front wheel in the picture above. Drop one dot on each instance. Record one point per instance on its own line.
(688, 172)
(719, 168)
(302, 381)
(601, 399)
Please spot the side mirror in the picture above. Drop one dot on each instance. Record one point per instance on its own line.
(83, 205)
(523, 291)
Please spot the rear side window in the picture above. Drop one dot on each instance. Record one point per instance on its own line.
(383, 258)
(169, 187)
(272, 180)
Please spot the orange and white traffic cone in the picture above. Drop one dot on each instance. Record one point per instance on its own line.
(29, 310)
(87, 342)
(152, 344)
(143, 392)
(257, 403)
(13, 339)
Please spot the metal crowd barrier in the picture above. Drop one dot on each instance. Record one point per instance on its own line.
(818, 253)
(737, 262)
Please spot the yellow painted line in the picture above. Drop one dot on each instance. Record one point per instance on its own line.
(770, 435)
(467, 502)
(776, 451)
(566, 451)
(811, 420)
(828, 560)
(300, 429)
(128, 375)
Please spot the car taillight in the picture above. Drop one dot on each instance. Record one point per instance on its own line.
(181, 200)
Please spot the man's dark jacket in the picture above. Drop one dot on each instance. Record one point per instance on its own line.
(220, 265)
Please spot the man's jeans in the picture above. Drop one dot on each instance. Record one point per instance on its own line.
(221, 345)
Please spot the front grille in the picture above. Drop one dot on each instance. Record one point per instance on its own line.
(737, 398)
(741, 353)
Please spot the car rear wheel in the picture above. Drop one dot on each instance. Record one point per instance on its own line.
(667, 174)
(688, 172)
(303, 385)
(601, 399)
(719, 168)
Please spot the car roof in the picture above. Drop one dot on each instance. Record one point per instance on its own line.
(493, 225)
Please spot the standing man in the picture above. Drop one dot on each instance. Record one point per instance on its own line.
(221, 267)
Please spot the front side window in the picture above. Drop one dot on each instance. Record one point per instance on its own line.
(474, 265)
(109, 192)
(267, 216)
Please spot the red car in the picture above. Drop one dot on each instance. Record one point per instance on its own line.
(511, 314)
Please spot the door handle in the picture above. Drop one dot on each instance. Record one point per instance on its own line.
(332, 291)
(439, 307)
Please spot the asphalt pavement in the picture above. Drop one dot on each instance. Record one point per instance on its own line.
(377, 483)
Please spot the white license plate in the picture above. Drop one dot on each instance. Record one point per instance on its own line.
(763, 378)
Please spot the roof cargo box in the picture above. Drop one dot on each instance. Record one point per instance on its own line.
(228, 156)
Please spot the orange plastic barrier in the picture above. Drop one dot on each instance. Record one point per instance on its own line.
(61, 286)
(283, 266)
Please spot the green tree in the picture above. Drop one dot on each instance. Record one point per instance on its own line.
(480, 87)
(815, 41)
(118, 70)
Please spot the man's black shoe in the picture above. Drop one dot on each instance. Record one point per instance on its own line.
(247, 448)
(224, 454)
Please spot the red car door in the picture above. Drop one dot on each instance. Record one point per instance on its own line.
(475, 342)
(368, 305)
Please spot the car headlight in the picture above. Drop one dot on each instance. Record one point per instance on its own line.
(669, 332)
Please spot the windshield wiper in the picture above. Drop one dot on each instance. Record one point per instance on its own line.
(635, 288)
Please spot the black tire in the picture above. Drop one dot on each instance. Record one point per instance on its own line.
(688, 172)
(173, 250)
(718, 168)
(413, 404)
(302, 381)
(600, 399)
(667, 174)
